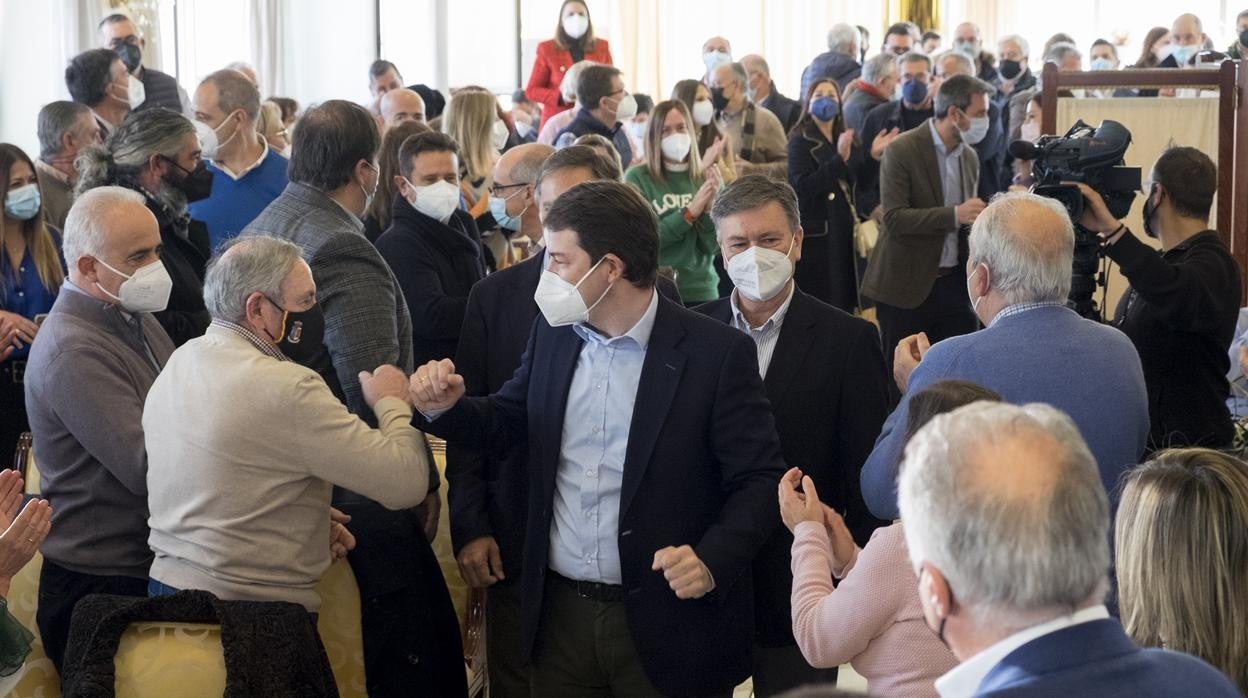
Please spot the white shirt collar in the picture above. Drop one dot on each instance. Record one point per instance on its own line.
(776, 319)
(228, 173)
(940, 143)
(964, 679)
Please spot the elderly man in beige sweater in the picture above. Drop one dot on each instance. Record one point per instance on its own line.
(245, 445)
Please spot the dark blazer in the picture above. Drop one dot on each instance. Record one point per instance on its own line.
(788, 111)
(824, 183)
(184, 252)
(161, 91)
(488, 489)
(906, 259)
(436, 265)
(828, 390)
(701, 469)
(585, 123)
(1098, 659)
(857, 104)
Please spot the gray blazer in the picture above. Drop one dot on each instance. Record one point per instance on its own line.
(366, 319)
(906, 258)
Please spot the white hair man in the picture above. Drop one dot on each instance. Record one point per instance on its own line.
(1034, 348)
(840, 62)
(876, 86)
(239, 501)
(97, 355)
(1007, 526)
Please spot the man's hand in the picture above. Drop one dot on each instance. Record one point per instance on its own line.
(386, 381)
(845, 144)
(429, 511)
(969, 210)
(1096, 216)
(881, 141)
(796, 507)
(480, 563)
(436, 387)
(341, 541)
(684, 572)
(910, 351)
(842, 541)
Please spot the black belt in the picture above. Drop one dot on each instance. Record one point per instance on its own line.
(13, 371)
(595, 591)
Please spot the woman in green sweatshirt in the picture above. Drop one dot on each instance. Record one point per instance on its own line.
(681, 191)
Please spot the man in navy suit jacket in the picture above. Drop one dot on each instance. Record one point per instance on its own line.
(653, 463)
(488, 490)
(1007, 526)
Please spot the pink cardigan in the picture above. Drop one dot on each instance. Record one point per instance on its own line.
(873, 620)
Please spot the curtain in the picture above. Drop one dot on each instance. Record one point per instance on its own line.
(267, 46)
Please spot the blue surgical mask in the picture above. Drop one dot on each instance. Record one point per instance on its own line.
(1102, 64)
(1183, 54)
(498, 209)
(22, 203)
(825, 108)
(914, 91)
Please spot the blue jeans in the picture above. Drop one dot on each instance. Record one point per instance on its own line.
(155, 589)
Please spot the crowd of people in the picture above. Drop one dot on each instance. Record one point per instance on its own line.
(732, 385)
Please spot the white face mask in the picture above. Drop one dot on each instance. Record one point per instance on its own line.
(138, 94)
(438, 200)
(760, 273)
(974, 301)
(576, 25)
(626, 109)
(498, 135)
(145, 291)
(703, 112)
(676, 146)
(638, 129)
(523, 128)
(560, 302)
(976, 132)
(1030, 132)
(209, 142)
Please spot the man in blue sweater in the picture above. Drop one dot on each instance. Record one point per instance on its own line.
(247, 175)
(1033, 349)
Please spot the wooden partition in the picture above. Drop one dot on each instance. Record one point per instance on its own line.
(1230, 79)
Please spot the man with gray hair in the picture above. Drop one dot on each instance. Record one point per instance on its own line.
(64, 129)
(1033, 349)
(875, 87)
(840, 62)
(239, 501)
(762, 91)
(826, 384)
(98, 353)
(753, 134)
(247, 175)
(929, 179)
(1022, 604)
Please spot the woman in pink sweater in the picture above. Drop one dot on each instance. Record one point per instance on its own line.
(873, 619)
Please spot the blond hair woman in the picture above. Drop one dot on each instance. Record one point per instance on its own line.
(471, 118)
(1181, 540)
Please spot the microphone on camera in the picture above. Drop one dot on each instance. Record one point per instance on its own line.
(1023, 150)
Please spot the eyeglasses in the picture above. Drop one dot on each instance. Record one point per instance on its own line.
(497, 189)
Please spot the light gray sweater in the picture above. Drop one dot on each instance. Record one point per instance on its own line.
(88, 375)
(243, 451)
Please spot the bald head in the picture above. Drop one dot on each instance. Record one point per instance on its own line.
(754, 63)
(1006, 502)
(1025, 244)
(717, 43)
(401, 105)
(522, 163)
(1187, 30)
(515, 181)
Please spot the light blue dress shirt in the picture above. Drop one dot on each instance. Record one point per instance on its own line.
(584, 530)
(949, 162)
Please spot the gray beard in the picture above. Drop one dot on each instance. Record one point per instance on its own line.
(171, 198)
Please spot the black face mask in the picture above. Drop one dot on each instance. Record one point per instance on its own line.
(130, 54)
(195, 184)
(718, 100)
(1243, 38)
(302, 333)
(1149, 210)
(1011, 69)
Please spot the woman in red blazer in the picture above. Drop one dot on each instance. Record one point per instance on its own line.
(574, 41)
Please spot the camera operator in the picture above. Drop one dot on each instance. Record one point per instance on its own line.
(1181, 308)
